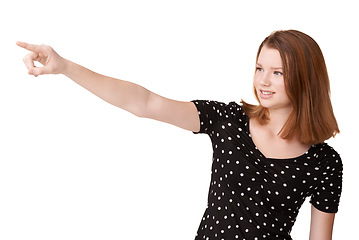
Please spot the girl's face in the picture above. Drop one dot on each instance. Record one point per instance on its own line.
(269, 82)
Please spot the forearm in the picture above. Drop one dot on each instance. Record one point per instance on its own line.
(123, 94)
(126, 95)
(321, 225)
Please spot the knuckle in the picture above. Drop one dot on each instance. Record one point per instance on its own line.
(26, 58)
(47, 47)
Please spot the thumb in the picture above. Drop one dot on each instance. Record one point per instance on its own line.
(36, 71)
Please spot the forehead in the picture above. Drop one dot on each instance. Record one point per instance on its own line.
(269, 57)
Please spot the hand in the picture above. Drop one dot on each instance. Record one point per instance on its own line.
(51, 61)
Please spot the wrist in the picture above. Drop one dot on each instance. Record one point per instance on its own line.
(67, 67)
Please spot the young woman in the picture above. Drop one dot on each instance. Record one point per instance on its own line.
(267, 158)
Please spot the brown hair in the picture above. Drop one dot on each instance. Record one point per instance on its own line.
(307, 85)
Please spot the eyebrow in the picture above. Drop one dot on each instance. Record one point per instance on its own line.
(274, 68)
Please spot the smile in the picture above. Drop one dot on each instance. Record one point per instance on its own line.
(264, 94)
(267, 92)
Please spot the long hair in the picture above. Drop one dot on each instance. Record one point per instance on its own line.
(307, 85)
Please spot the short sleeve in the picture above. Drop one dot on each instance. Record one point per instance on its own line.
(328, 191)
(212, 112)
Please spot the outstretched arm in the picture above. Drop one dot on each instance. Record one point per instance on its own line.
(123, 94)
(321, 225)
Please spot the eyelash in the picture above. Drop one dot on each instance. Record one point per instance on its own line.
(275, 73)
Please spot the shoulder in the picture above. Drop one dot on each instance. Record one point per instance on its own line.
(329, 178)
(212, 113)
(221, 108)
(329, 163)
(328, 156)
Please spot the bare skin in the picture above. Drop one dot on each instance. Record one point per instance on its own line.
(141, 102)
(270, 87)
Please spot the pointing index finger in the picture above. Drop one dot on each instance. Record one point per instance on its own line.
(30, 47)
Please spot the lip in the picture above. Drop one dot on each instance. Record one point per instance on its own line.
(265, 94)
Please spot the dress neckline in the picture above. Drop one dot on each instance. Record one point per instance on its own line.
(274, 159)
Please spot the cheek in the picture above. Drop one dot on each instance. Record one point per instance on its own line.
(255, 82)
(282, 88)
(280, 85)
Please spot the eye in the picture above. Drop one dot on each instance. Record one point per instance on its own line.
(259, 69)
(278, 73)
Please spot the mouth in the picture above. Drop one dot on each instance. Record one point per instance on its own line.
(266, 93)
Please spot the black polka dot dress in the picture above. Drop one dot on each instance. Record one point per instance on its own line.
(252, 197)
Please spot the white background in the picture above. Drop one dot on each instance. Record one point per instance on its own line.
(75, 167)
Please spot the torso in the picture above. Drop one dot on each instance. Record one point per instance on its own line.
(255, 197)
(271, 145)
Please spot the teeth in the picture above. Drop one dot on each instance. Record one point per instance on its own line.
(267, 93)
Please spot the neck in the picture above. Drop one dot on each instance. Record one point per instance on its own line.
(277, 118)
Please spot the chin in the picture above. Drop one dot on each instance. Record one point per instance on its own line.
(275, 105)
(266, 104)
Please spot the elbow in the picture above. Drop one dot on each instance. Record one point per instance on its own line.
(139, 114)
(140, 110)
(139, 106)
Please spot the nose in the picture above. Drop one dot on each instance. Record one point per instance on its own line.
(265, 80)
